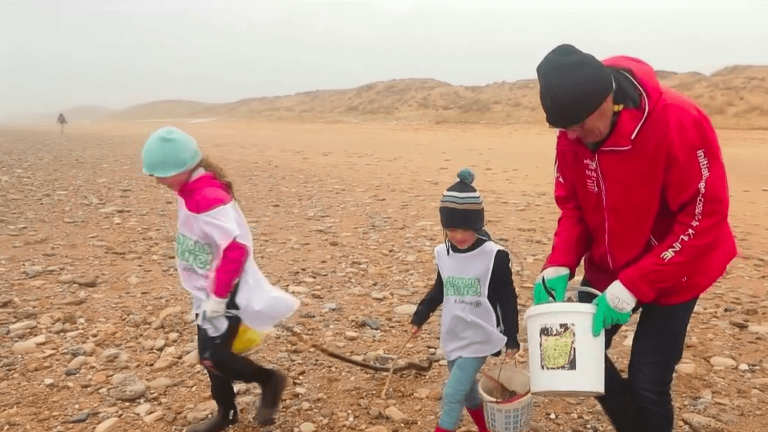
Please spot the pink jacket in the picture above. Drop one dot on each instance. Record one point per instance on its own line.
(203, 193)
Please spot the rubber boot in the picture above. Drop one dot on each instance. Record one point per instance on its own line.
(478, 416)
(439, 429)
(271, 393)
(219, 423)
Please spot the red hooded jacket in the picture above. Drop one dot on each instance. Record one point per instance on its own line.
(650, 207)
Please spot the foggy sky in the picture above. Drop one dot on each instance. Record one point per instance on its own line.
(62, 53)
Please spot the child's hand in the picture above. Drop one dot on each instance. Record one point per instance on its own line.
(215, 307)
(512, 352)
(415, 330)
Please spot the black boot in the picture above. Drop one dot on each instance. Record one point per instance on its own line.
(271, 393)
(219, 423)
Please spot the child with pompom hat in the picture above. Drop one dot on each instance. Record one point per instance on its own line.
(474, 285)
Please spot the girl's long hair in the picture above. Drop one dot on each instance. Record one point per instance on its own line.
(214, 168)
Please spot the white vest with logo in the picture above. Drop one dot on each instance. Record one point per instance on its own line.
(200, 241)
(468, 326)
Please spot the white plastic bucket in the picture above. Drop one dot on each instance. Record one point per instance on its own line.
(502, 416)
(564, 358)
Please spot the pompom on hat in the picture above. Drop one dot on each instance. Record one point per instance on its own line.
(461, 205)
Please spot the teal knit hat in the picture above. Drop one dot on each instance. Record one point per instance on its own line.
(169, 151)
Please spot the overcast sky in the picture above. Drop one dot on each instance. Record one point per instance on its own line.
(60, 53)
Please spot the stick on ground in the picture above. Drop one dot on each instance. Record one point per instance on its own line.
(389, 377)
(414, 366)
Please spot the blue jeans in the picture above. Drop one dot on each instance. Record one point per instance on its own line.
(460, 390)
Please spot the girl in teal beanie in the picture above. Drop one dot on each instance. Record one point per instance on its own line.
(214, 251)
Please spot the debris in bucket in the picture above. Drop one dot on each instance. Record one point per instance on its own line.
(498, 391)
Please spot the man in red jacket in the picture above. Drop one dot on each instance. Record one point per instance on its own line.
(642, 190)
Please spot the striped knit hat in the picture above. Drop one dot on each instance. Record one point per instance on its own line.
(461, 205)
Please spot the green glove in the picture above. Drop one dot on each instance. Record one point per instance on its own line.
(556, 279)
(614, 306)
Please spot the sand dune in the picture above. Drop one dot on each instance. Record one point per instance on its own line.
(735, 97)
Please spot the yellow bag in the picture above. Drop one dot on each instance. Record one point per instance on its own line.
(246, 339)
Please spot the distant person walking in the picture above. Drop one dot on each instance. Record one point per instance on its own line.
(61, 121)
(643, 197)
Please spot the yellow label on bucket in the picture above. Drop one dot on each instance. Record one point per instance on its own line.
(558, 347)
(246, 339)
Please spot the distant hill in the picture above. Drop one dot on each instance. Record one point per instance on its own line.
(735, 97)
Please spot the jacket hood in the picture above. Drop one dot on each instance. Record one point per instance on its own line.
(643, 75)
(203, 180)
(204, 192)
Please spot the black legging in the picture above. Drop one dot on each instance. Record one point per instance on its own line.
(224, 366)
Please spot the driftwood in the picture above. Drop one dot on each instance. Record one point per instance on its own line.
(392, 368)
(414, 366)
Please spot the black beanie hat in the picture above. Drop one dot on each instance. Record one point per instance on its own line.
(572, 85)
(461, 205)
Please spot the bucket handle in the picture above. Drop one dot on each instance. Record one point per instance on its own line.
(498, 378)
(584, 289)
(501, 368)
(571, 288)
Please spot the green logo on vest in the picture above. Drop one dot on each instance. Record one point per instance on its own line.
(461, 287)
(194, 253)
